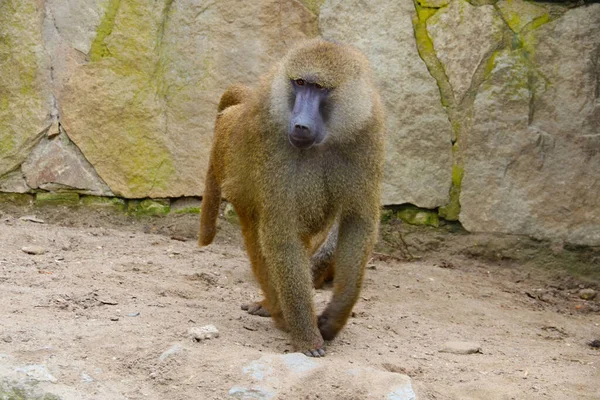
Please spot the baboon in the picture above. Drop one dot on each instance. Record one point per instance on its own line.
(298, 155)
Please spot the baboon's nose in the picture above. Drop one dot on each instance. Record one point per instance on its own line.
(301, 136)
(301, 131)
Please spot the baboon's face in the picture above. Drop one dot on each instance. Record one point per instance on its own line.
(321, 94)
(307, 121)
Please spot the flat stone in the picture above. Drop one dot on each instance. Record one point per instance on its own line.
(36, 250)
(37, 372)
(32, 218)
(14, 182)
(173, 350)
(285, 375)
(57, 164)
(455, 347)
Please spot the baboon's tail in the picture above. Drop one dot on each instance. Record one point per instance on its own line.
(210, 208)
(235, 94)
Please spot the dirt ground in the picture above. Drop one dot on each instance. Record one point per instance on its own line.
(111, 293)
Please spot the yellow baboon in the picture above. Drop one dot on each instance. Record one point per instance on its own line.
(296, 155)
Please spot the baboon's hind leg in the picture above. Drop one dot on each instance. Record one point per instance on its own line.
(269, 306)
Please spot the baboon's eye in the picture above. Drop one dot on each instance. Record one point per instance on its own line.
(300, 82)
(318, 86)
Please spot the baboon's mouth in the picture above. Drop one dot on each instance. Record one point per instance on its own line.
(301, 143)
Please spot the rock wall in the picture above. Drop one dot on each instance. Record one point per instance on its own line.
(493, 105)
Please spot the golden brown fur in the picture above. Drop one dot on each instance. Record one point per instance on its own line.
(288, 199)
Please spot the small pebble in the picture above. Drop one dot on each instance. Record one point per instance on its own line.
(175, 349)
(203, 332)
(587, 294)
(36, 250)
(461, 348)
(31, 218)
(222, 281)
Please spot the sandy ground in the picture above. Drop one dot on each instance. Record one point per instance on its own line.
(110, 294)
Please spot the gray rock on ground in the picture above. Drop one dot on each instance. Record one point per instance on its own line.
(291, 376)
(203, 332)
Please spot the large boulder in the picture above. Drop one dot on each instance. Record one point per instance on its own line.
(26, 102)
(142, 106)
(419, 150)
(532, 159)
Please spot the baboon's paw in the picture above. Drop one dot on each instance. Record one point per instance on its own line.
(320, 352)
(256, 308)
(327, 327)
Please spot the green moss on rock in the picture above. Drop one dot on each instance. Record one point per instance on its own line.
(100, 201)
(482, 2)
(18, 199)
(231, 215)
(386, 216)
(434, 3)
(452, 209)
(13, 392)
(427, 52)
(99, 48)
(519, 14)
(313, 5)
(148, 207)
(418, 216)
(187, 210)
(50, 198)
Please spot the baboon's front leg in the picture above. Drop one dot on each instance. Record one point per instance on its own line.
(356, 238)
(289, 272)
